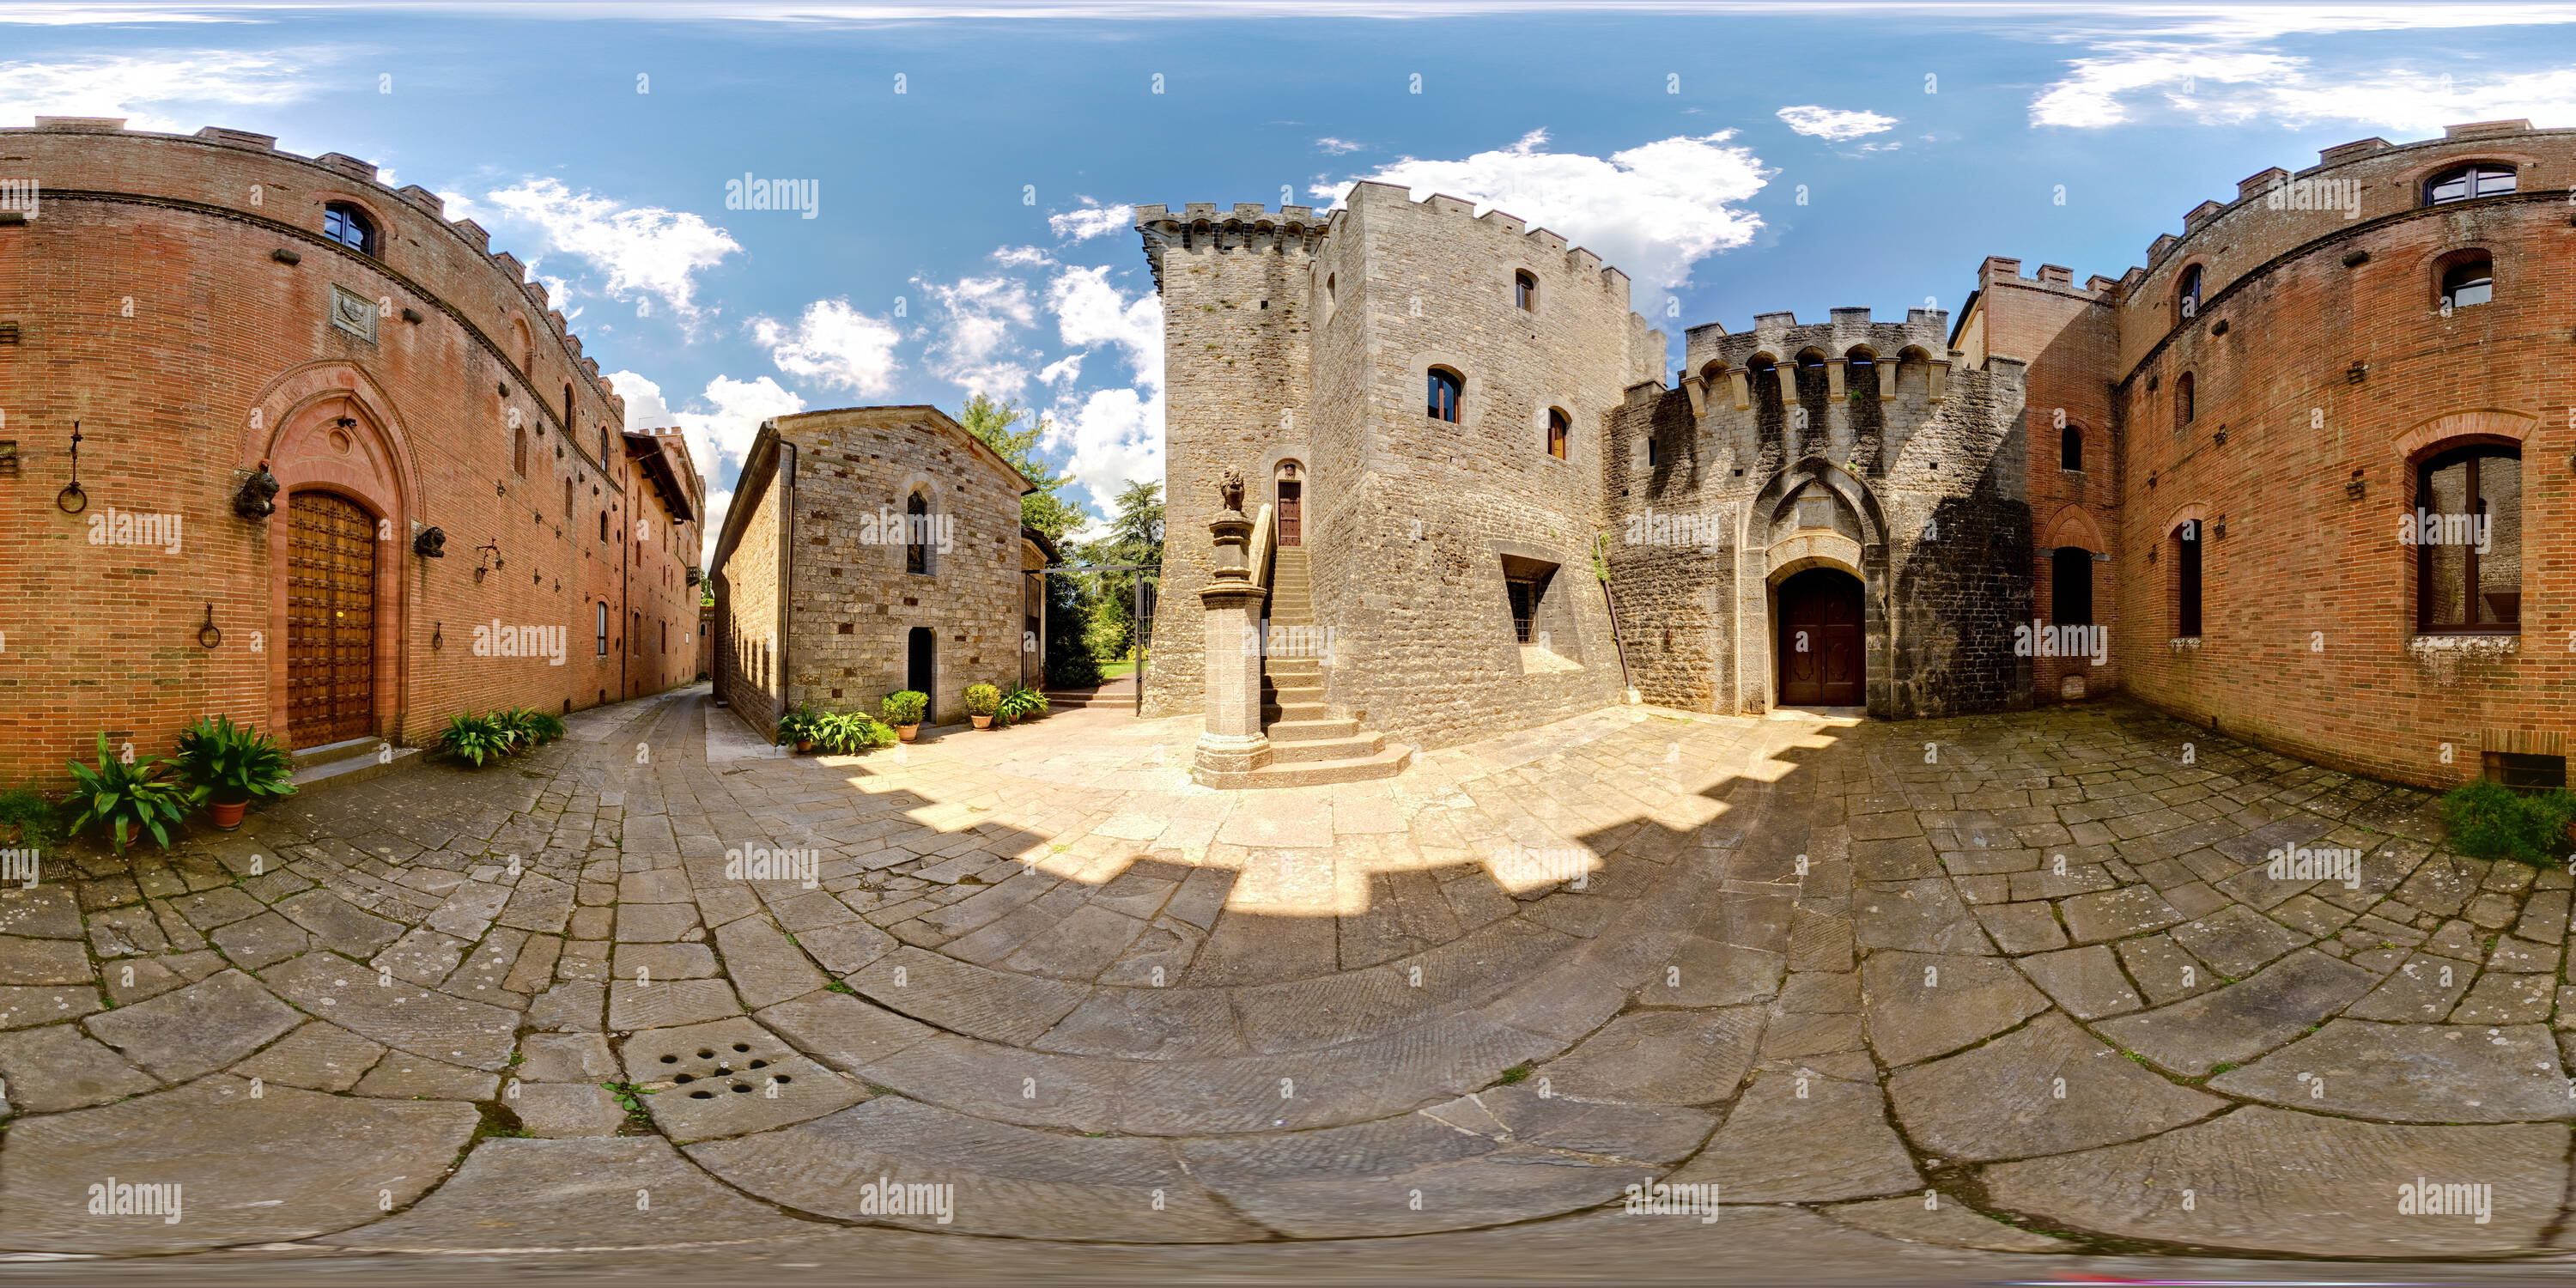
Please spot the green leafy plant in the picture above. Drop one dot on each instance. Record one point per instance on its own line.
(2492, 821)
(905, 707)
(232, 763)
(28, 818)
(542, 726)
(847, 733)
(1021, 703)
(800, 726)
(475, 739)
(131, 799)
(981, 699)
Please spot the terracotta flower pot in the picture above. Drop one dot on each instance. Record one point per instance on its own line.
(906, 732)
(226, 814)
(982, 722)
(804, 744)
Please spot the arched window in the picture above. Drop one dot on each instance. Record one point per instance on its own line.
(1525, 292)
(2470, 280)
(2186, 553)
(2184, 402)
(1860, 374)
(519, 450)
(2070, 586)
(602, 618)
(349, 226)
(2468, 540)
(1446, 386)
(567, 500)
(2187, 295)
(2070, 449)
(568, 411)
(2463, 183)
(603, 526)
(916, 534)
(1560, 428)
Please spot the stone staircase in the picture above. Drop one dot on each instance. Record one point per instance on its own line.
(1310, 743)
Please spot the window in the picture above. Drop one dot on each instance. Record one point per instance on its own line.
(519, 450)
(567, 500)
(603, 525)
(2070, 449)
(2523, 772)
(916, 534)
(1525, 292)
(349, 226)
(2187, 295)
(2186, 540)
(1559, 429)
(2470, 281)
(2184, 404)
(568, 417)
(2468, 540)
(602, 606)
(1654, 457)
(2482, 179)
(1524, 595)
(1446, 385)
(2070, 586)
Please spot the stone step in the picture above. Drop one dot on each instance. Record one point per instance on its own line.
(1309, 773)
(347, 749)
(1296, 712)
(341, 771)
(1356, 747)
(1281, 731)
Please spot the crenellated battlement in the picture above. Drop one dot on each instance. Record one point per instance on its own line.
(1780, 337)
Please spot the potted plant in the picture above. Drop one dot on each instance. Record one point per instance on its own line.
(800, 727)
(981, 700)
(904, 710)
(130, 799)
(233, 765)
(1021, 703)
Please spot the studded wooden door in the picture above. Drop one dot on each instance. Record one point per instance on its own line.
(1821, 645)
(330, 620)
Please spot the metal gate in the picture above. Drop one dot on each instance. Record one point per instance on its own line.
(1143, 589)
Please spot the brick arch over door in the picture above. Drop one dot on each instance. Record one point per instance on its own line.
(366, 463)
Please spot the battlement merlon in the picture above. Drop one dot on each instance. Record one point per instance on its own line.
(1247, 225)
(1716, 364)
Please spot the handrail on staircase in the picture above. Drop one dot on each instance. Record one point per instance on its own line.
(1265, 545)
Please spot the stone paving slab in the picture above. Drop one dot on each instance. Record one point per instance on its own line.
(289, 1164)
(1800, 1138)
(2432, 1073)
(2272, 1180)
(198, 1029)
(1950, 1224)
(401, 1015)
(2236, 1023)
(999, 1179)
(1921, 1005)
(519, 1196)
(2046, 1088)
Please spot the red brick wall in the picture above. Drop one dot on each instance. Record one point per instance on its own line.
(151, 310)
(2308, 640)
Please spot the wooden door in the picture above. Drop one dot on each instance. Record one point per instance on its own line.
(1292, 508)
(330, 620)
(1821, 646)
(921, 669)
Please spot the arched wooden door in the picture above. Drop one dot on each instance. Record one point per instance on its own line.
(1822, 652)
(1291, 485)
(330, 620)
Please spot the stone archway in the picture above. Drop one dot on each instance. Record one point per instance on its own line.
(1822, 638)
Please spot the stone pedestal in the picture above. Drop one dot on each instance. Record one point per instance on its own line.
(1233, 745)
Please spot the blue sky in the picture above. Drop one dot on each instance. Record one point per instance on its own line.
(969, 232)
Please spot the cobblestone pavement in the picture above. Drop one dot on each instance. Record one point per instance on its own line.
(2017, 985)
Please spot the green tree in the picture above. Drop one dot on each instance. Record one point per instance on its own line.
(1043, 509)
(1135, 537)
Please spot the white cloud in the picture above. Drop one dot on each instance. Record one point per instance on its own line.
(718, 439)
(1109, 437)
(2226, 75)
(1092, 219)
(711, 524)
(1652, 211)
(1021, 257)
(834, 345)
(642, 250)
(1338, 146)
(971, 344)
(136, 86)
(1835, 125)
(1066, 368)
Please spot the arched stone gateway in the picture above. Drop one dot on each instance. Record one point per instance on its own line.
(1816, 546)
